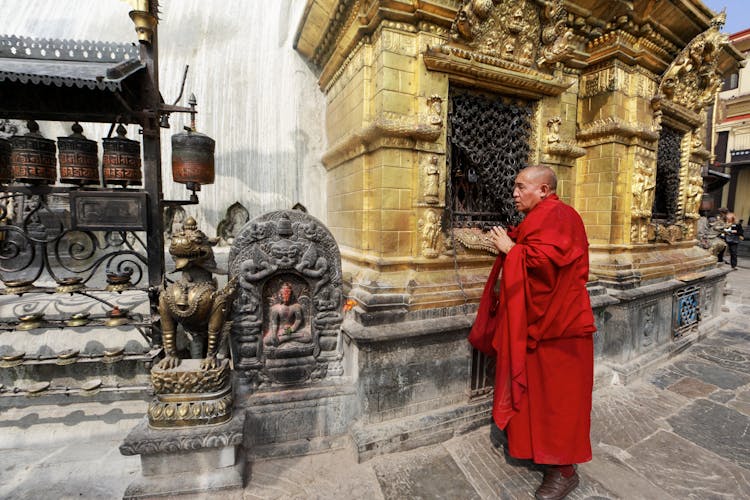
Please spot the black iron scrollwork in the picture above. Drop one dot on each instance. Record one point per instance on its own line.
(489, 145)
(37, 239)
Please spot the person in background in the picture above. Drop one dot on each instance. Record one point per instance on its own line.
(733, 233)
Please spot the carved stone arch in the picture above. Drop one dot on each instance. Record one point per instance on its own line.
(293, 339)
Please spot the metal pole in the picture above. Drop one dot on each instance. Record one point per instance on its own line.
(152, 160)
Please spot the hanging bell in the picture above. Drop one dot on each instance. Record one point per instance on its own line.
(121, 160)
(6, 176)
(79, 163)
(193, 156)
(32, 157)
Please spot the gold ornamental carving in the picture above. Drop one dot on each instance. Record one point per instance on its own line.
(475, 239)
(692, 79)
(507, 45)
(518, 31)
(562, 150)
(644, 183)
(432, 181)
(429, 228)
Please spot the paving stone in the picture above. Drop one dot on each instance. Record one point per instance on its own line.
(722, 396)
(710, 373)
(664, 377)
(431, 474)
(741, 402)
(728, 357)
(622, 416)
(687, 471)
(497, 476)
(717, 428)
(692, 388)
(620, 478)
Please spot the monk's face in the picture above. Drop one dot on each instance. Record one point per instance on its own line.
(529, 190)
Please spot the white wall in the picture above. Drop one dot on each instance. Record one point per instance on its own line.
(256, 96)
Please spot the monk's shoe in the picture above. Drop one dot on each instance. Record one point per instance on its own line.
(555, 486)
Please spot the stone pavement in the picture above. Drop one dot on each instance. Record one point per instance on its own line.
(683, 431)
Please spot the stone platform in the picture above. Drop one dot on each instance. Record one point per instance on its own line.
(680, 431)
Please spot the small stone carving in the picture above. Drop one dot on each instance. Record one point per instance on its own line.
(430, 229)
(236, 217)
(287, 318)
(432, 181)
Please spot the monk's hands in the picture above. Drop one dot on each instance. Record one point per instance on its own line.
(501, 240)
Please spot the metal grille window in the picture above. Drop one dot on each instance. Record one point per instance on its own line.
(687, 309)
(489, 144)
(667, 175)
(482, 374)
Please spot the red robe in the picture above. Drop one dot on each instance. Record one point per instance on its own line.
(541, 333)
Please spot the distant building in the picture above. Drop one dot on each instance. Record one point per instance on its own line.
(732, 146)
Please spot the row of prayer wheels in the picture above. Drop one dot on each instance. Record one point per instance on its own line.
(30, 159)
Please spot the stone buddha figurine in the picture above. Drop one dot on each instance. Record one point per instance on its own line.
(287, 330)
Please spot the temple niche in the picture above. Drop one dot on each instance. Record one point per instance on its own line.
(287, 316)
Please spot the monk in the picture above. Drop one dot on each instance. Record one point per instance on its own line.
(539, 325)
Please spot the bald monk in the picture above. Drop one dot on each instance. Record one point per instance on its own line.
(538, 324)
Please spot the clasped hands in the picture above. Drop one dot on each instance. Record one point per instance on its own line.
(501, 240)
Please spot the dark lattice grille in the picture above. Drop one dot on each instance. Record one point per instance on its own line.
(667, 175)
(489, 144)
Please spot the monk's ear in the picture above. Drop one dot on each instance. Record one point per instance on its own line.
(546, 191)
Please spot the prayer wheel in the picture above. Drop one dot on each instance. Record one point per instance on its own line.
(121, 161)
(78, 158)
(5, 173)
(193, 159)
(32, 157)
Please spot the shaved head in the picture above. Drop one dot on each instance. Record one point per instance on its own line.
(541, 174)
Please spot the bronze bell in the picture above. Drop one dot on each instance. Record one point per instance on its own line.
(78, 158)
(121, 161)
(6, 176)
(33, 157)
(193, 156)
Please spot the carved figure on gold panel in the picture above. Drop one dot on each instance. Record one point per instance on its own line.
(435, 103)
(644, 183)
(553, 129)
(430, 228)
(693, 195)
(432, 181)
(194, 301)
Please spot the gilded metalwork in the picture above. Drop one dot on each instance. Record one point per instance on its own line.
(430, 230)
(70, 285)
(432, 181)
(692, 79)
(78, 319)
(67, 357)
(190, 395)
(194, 301)
(11, 359)
(644, 183)
(18, 287)
(517, 31)
(117, 317)
(30, 321)
(475, 239)
(489, 140)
